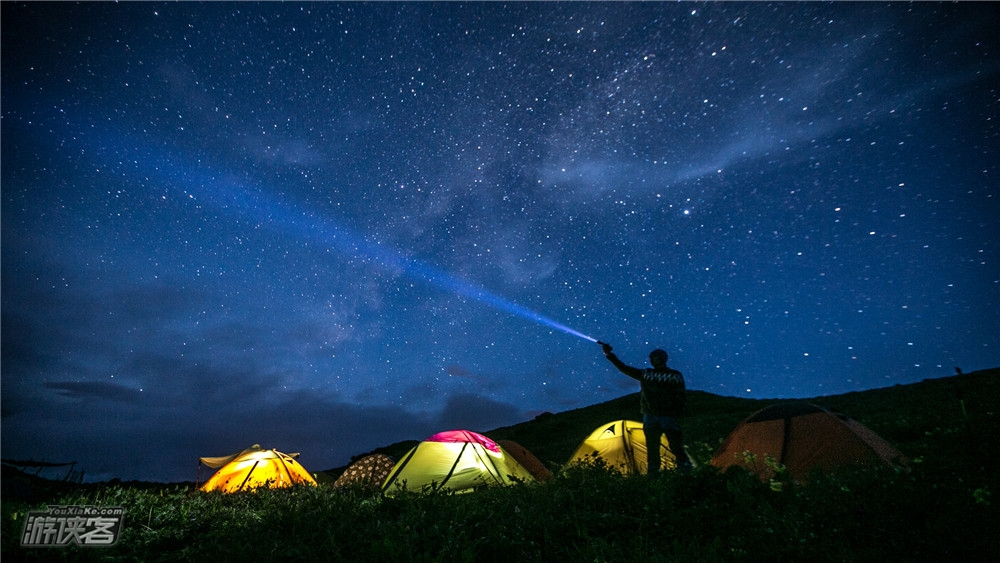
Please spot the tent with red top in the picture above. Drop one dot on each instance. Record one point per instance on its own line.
(455, 460)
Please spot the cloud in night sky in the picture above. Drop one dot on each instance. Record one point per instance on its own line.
(96, 390)
(273, 225)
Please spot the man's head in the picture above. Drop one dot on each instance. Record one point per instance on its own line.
(658, 358)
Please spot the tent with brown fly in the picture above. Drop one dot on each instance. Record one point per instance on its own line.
(527, 459)
(801, 438)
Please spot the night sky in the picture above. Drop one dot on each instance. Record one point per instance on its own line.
(329, 227)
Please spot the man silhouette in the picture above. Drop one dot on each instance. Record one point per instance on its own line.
(661, 401)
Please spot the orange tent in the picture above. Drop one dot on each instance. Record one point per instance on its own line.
(253, 468)
(802, 438)
(526, 459)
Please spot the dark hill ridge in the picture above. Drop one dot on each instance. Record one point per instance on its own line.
(940, 418)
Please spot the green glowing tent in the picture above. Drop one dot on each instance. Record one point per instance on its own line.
(458, 461)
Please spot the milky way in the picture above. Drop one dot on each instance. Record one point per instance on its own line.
(328, 227)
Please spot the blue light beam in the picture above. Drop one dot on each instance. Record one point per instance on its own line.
(226, 192)
(350, 242)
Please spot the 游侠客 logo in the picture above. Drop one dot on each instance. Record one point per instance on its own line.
(73, 525)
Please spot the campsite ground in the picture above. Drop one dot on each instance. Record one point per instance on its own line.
(944, 507)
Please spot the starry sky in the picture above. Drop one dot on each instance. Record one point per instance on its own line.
(328, 227)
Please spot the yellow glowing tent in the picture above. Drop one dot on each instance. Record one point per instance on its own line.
(255, 467)
(621, 445)
(456, 460)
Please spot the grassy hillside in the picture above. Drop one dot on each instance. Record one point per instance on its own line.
(943, 509)
(934, 415)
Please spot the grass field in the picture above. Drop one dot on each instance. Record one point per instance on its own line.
(944, 508)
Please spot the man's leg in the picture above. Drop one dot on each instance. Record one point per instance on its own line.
(651, 427)
(676, 440)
